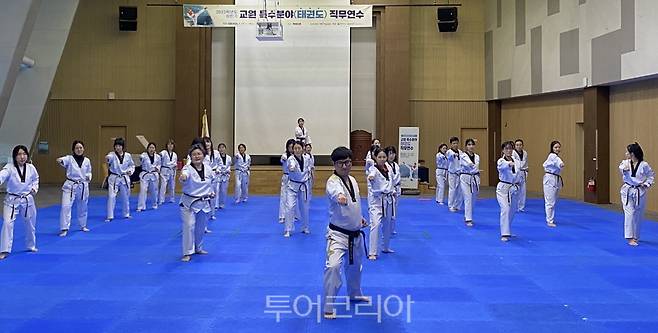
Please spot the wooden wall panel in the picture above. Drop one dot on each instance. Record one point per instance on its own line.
(439, 120)
(538, 121)
(98, 58)
(633, 118)
(447, 66)
(392, 72)
(66, 120)
(193, 82)
(139, 67)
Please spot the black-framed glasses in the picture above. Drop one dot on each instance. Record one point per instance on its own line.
(344, 163)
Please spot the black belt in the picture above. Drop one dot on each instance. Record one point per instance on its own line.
(21, 197)
(473, 181)
(197, 198)
(302, 184)
(509, 190)
(351, 235)
(77, 183)
(628, 193)
(559, 178)
(152, 171)
(124, 178)
(392, 196)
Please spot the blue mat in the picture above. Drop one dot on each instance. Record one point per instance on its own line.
(125, 276)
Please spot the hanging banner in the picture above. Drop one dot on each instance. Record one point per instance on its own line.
(408, 157)
(231, 16)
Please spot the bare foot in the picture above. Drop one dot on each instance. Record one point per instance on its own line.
(63, 233)
(186, 258)
(551, 224)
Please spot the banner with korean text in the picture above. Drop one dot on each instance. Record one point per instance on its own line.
(235, 15)
(408, 157)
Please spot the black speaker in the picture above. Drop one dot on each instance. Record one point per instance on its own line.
(447, 19)
(127, 25)
(128, 13)
(127, 18)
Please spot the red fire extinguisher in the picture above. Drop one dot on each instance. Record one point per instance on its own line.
(591, 185)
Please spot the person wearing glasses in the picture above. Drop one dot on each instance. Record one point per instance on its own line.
(345, 239)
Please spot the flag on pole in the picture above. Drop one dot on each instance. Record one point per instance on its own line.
(204, 125)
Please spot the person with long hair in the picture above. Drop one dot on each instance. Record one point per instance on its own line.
(552, 181)
(196, 201)
(381, 198)
(297, 192)
(149, 177)
(75, 189)
(637, 176)
(455, 198)
(441, 173)
(508, 188)
(522, 156)
(469, 177)
(242, 173)
(284, 179)
(168, 172)
(22, 181)
(120, 166)
(391, 160)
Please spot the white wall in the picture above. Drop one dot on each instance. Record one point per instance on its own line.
(364, 79)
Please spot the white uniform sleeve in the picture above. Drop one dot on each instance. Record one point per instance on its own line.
(131, 164)
(185, 172)
(334, 189)
(64, 161)
(502, 165)
(4, 174)
(550, 160)
(650, 174)
(35, 180)
(87, 171)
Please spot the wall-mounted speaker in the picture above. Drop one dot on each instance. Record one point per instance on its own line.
(447, 19)
(127, 18)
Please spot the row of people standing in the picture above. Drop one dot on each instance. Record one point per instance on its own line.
(460, 169)
(157, 178)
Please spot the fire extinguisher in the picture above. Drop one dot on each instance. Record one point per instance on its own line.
(591, 185)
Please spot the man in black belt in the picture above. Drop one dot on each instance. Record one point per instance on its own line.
(345, 240)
